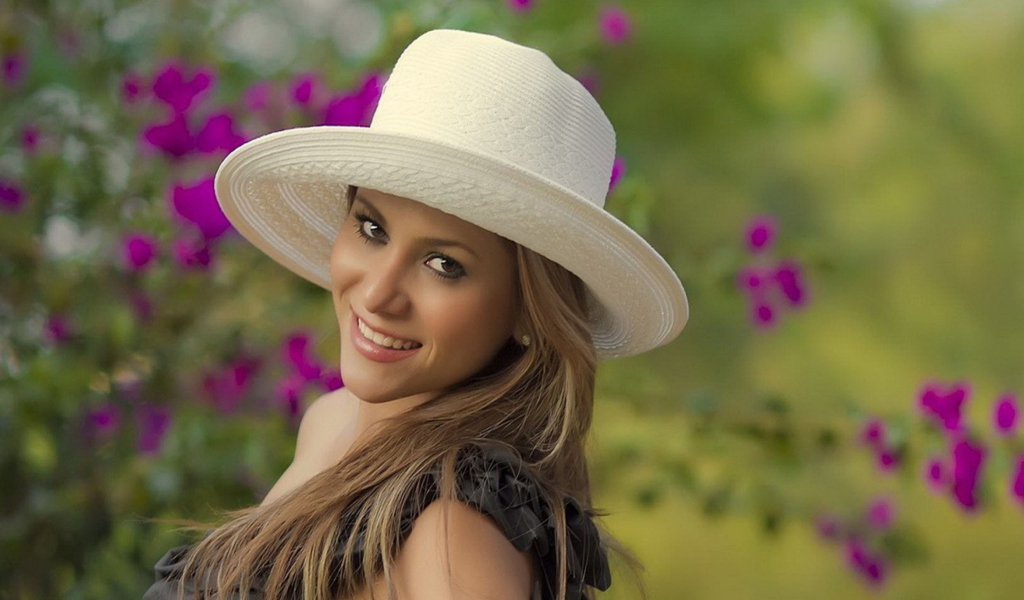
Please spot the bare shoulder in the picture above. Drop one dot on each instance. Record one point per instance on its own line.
(483, 562)
(321, 423)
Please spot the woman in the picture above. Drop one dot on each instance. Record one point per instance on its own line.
(477, 281)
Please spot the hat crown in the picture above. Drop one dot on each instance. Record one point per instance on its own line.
(500, 99)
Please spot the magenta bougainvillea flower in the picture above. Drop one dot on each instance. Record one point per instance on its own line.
(133, 88)
(519, 6)
(289, 393)
(298, 355)
(190, 253)
(304, 89)
(196, 203)
(618, 170)
(761, 233)
(873, 433)
(29, 138)
(218, 134)
(789, 278)
(829, 527)
(591, 80)
(141, 305)
(356, 108)
(935, 474)
(888, 459)
(256, 97)
(227, 387)
(871, 567)
(57, 329)
(615, 24)
(968, 461)
(332, 380)
(944, 406)
(12, 199)
(104, 420)
(152, 421)
(179, 92)
(138, 250)
(881, 513)
(14, 68)
(172, 137)
(1017, 479)
(1006, 414)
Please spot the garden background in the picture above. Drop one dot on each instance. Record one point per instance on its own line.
(837, 183)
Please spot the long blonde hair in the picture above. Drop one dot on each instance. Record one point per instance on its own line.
(536, 400)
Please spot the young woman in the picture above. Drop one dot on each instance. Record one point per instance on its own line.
(477, 281)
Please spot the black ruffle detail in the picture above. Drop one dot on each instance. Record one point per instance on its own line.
(493, 480)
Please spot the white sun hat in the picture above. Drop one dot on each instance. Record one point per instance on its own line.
(485, 129)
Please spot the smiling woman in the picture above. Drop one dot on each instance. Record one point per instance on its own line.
(477, 281)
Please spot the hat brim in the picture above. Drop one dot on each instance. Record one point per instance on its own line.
(283, 192)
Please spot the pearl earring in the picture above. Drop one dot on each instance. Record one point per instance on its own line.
(526, 340)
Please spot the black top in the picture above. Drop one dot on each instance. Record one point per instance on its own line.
(494, 481)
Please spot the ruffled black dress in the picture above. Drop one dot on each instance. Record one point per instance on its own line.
(492, 480)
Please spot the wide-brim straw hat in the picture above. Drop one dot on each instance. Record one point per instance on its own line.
(490, 131)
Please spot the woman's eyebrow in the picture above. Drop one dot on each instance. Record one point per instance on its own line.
(427, 240)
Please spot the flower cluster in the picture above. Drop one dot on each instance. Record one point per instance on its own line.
(769, 285)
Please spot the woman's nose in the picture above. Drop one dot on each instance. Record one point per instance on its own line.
(385, 287)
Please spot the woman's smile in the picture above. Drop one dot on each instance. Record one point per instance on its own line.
(374, 351)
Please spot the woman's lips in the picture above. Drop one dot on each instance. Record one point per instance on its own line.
(371, 349)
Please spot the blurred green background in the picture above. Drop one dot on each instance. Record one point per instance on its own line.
(884, 137)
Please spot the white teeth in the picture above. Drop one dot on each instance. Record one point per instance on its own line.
(381, 340)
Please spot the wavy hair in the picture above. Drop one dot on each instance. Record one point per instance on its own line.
(535, 400)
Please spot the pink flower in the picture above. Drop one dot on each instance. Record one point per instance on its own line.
(304, 89)
(227, 387)
(138, 250)
(520, 6)
(104, 420)
(11, 197)
(196, 203)
(57, 329)
(829, 527)
(332, 380)
(888, 459)
(29, 138)
(1006, 414)
(761, 233)
(935, 474)
(142, 306)
(968, 461)
(297, 354)
(869, 566)
(944, 406)
(289, 393)
(257, 96)
(873, 433)
(1017, 480)
(178, 91)
(133, 88)
(615, 24)
(153, 422)
(880, 513)
(14, 68)
(788, 276)
(218, 133)
(190, 253)
(355, 108)
(763, 314)
(591, 80)
(173, 137)
(618, 168)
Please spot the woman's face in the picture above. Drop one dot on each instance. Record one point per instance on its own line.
(458, 302)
